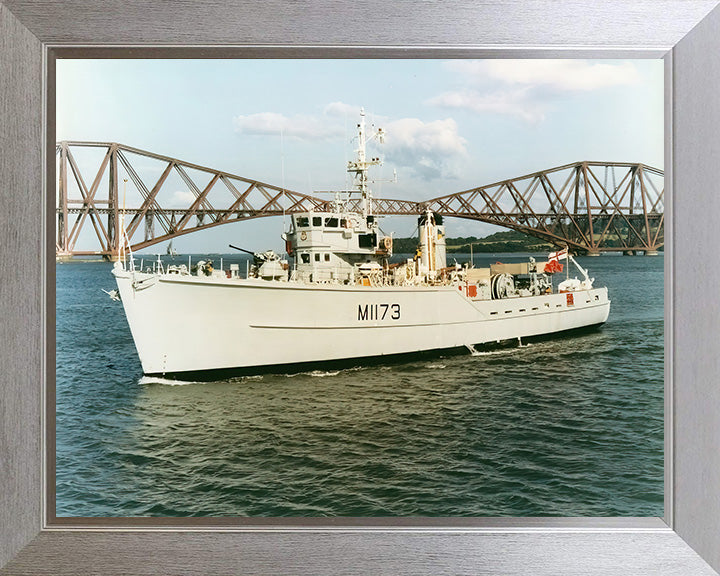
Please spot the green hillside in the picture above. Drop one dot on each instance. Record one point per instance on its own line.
(508, 241)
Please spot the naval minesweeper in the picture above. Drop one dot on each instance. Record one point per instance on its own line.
(337, 296)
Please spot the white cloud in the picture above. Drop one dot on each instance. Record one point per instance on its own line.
(526, 88)
(512, 102)
(330, 124)
(340, 109)
(560, 75)
(299, 126)
(430, 149)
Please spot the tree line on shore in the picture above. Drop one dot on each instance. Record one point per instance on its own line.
(507, 241)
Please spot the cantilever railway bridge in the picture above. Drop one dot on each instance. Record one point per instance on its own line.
(591, 207)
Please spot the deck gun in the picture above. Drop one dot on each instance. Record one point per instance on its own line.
(259, 258)
(266, 265)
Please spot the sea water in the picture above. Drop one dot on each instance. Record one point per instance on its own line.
(565, 426)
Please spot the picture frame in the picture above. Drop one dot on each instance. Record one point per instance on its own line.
(683, 32)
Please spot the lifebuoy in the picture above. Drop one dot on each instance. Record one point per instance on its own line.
(303, 236)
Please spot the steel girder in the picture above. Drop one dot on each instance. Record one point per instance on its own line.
(243, 198)
(588, 206)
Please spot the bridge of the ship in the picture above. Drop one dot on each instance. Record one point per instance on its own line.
(591, 207)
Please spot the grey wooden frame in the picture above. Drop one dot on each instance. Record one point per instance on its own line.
(685, 32)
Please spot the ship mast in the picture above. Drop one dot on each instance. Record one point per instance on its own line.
(359, 167)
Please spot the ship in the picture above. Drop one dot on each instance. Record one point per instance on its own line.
(338, 295)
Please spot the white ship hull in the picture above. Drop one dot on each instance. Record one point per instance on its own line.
(191, 324)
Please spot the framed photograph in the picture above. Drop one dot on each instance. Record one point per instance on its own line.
(393, 535)
(380, 359)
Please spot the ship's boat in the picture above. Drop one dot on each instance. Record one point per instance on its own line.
(340, 296)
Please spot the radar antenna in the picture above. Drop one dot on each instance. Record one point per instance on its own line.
(359, 167)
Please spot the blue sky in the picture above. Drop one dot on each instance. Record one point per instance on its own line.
(451, 125)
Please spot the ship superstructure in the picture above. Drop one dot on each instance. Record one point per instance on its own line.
(339, 295)
(345, 247)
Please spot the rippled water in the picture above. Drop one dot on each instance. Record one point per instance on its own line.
(570, 426)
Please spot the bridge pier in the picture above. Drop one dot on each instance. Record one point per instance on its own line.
(592, 253)
(629, 253)
(651, 252)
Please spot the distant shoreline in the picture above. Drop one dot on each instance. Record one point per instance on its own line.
(508, 241)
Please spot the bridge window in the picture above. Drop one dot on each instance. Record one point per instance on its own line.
(343, 223)
(317, 221)
(327, 257)
(305, 258)
(317, 257)
(331, 222)
(302, 222)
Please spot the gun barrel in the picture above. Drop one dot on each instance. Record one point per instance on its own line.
(242, 250)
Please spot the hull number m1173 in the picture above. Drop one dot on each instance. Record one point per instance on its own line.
(379, 312)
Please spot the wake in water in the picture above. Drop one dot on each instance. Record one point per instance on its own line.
(322, 373)
(149, 380)
(501, 351)
(152, 380)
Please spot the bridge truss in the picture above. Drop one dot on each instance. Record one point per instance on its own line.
(589, 206)
(169, 198)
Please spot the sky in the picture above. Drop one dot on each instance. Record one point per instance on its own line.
(450, 125)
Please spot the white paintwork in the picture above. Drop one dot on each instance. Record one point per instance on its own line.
(342, 299)
(190, 323)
